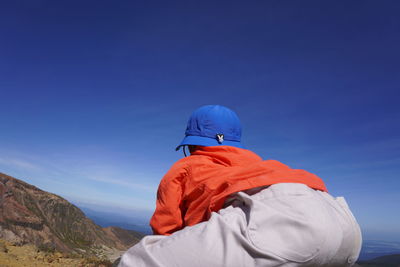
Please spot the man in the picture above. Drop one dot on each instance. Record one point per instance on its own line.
(224, 206)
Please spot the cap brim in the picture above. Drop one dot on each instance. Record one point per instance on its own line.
(206, 141)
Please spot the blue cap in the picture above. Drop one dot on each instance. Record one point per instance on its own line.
(213, 125)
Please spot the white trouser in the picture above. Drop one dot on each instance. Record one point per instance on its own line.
(283, 225)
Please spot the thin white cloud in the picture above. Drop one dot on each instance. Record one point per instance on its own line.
(109, 201)
(56, 174)
(137, 186)
(120, 206)
(19, 163)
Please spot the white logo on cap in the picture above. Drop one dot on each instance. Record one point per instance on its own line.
(220, 138)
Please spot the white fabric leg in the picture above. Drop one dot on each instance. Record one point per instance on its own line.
(283, 225)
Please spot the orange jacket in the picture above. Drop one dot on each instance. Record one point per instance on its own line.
(197, 185)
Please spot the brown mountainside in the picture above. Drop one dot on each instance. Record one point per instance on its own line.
(29, 215)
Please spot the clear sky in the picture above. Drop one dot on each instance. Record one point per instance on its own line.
(95, 95)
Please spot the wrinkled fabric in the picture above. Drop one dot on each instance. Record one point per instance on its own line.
(286, 224)
(198, 185)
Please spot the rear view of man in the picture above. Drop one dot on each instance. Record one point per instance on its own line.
(225, 206)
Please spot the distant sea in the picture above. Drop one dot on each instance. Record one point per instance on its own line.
(376, 248)
(129, 222)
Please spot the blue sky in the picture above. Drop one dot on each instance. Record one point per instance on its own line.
(95, 95)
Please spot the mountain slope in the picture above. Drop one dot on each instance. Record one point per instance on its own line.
(30, 215)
